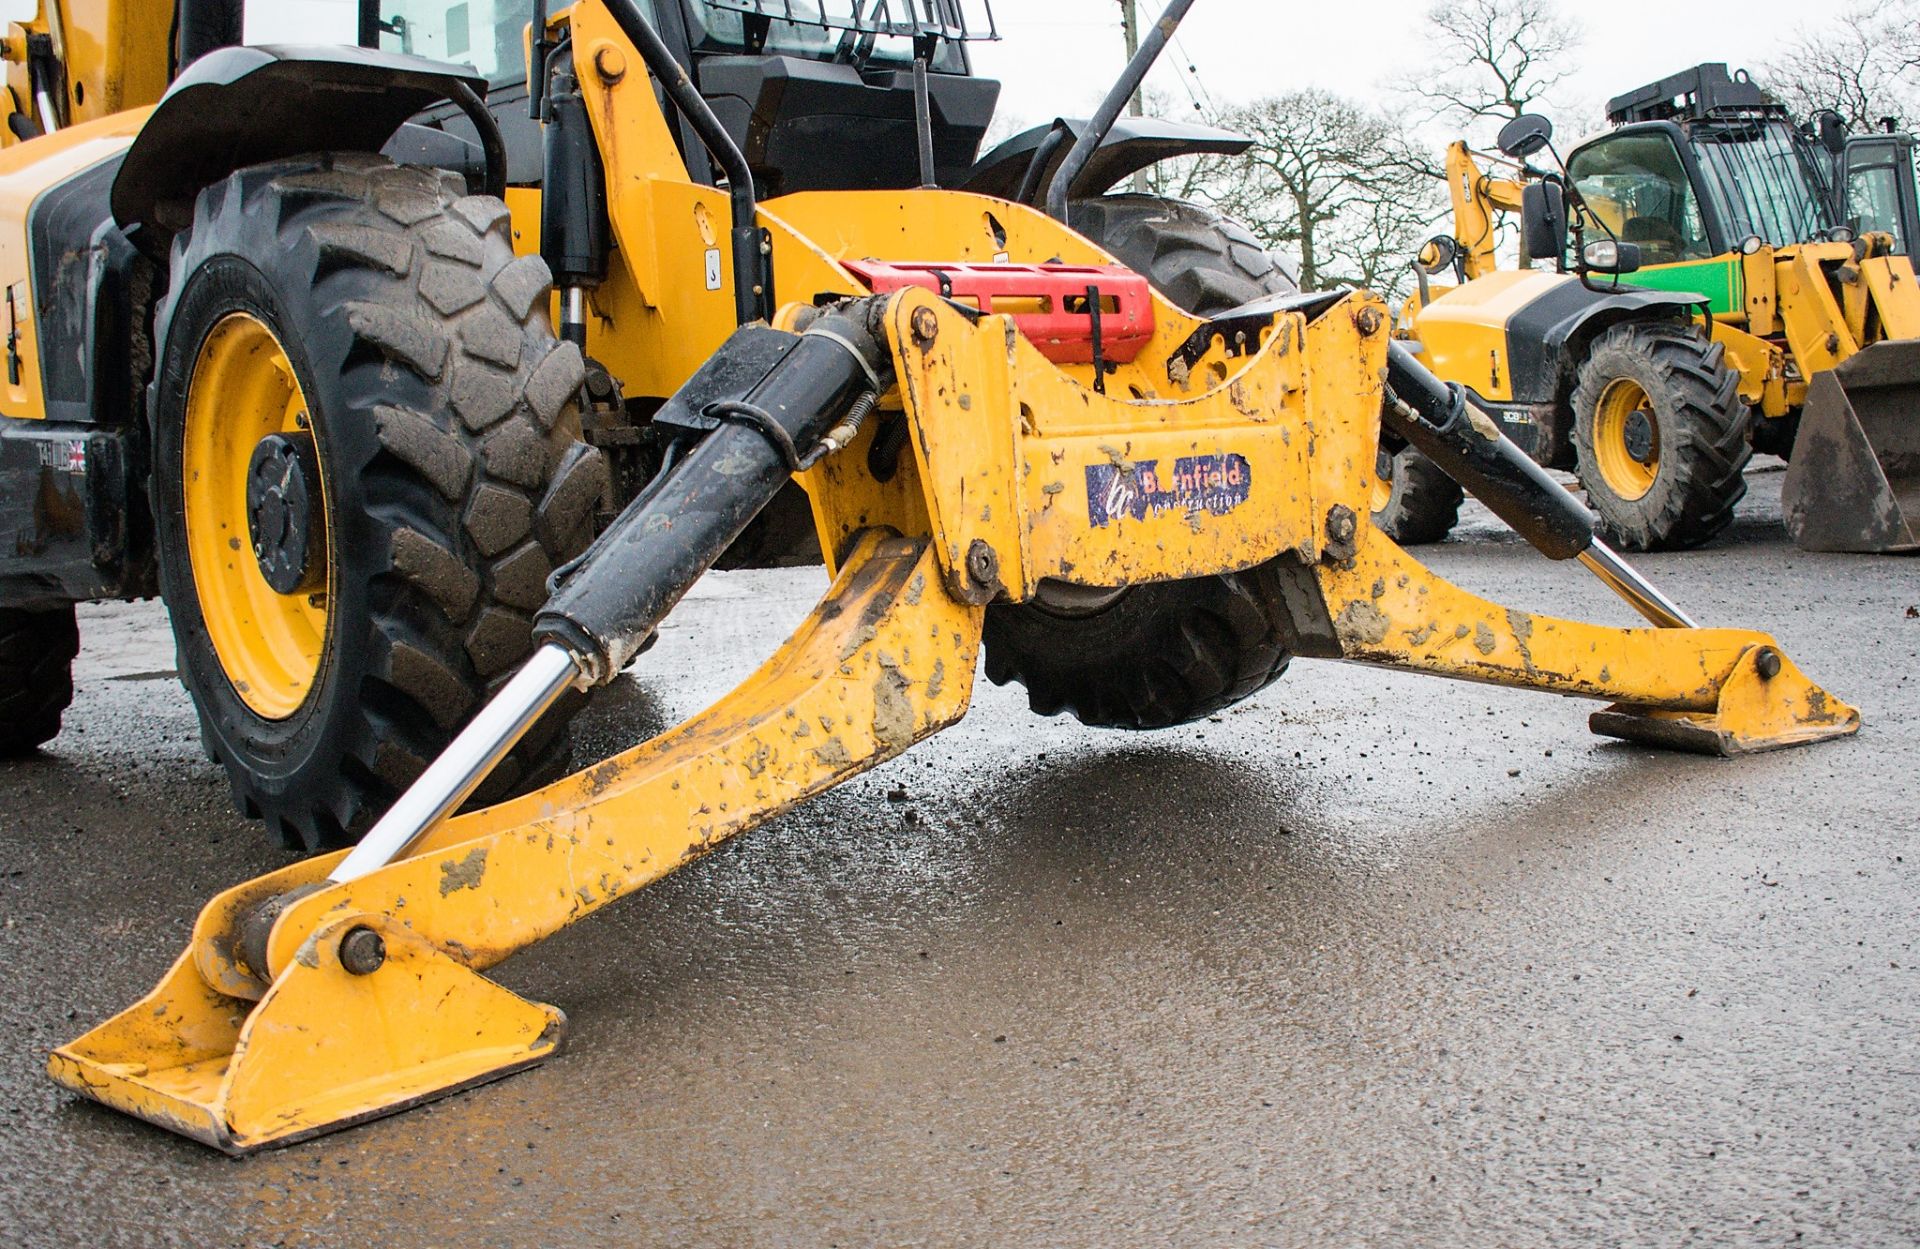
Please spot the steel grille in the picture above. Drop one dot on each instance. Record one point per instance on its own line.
(946, 19)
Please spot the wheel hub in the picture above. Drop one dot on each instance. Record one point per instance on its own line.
(283, 481)
(1638, 436)
(1625, 445)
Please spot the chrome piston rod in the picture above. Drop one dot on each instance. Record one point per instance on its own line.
(451, 779)
(1645, 597)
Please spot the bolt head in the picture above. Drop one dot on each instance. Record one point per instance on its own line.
(610, 64)
(362, 951)
(983, 565)
(1767, 664)
(926, 327)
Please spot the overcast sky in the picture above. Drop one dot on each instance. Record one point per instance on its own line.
(1060, 55)
(1242, 49)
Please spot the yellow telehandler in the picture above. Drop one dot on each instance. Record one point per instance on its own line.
(1712, 305)
(1070, 430)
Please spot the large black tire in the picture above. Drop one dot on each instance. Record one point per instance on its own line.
(1205, 262)
(1165, 653)
(36, 676)
(1699, 429)
(1422, 503)
(443, 408)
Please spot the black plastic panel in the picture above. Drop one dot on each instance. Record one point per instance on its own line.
(1538, 334)
(74, 517)
(816, 126)
(81, 267)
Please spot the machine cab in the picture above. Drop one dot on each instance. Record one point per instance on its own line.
(1700, 167)
(1875, 188)
(818, 96)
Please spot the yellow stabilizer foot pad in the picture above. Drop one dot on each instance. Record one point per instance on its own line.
(324, 1049)
(1766, 703)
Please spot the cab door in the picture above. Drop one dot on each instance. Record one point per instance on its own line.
(1876, 188)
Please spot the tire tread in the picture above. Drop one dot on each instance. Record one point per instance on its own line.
(1704, 435)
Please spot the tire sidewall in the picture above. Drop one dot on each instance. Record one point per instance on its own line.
(219, 283)
(1614, 360)
(1423, 503)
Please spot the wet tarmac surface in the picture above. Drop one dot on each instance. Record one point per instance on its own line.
(1372, 959)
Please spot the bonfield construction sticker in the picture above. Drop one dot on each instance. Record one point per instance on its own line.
(1215, 484)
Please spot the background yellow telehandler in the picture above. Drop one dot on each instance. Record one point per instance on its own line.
(1704, 202)
(372, 455)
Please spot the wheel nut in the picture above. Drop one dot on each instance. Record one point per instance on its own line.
(362, 951)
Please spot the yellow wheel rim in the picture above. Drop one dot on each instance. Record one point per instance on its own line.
(244, 389)
(1382, 482)
(1626, 439)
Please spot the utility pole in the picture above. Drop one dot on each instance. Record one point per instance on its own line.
(1130, 20)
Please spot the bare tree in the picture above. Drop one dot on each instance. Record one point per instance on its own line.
(1865, 66)
(1336, 185)
(1502, 57)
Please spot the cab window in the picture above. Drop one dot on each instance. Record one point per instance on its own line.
(1762, 182)
(1638, 188)
(812, 31)
(1873, 202)
(489, 35)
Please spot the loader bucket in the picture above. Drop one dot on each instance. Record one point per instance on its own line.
(1854, 483)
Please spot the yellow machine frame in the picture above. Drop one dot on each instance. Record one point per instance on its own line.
(993, 501)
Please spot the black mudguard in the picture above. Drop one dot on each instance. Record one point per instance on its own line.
(1135, 143)
(1547, 342)
(1569, 316)
(245, 106)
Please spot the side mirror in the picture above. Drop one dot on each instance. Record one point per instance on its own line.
(1438, 254)
(1525, 135)
(1832, 129)
(1543, 220)
(1608, 256)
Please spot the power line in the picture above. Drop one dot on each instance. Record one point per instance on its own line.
(1203, 100)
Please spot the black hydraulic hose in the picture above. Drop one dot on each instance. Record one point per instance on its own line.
(492, 143)
(1110, 109)
(538, 66)
(749, 287)
(1042, 157)
(1437, 419)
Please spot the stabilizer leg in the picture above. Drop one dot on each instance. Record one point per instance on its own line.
(1720, 691)
(370, 999)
